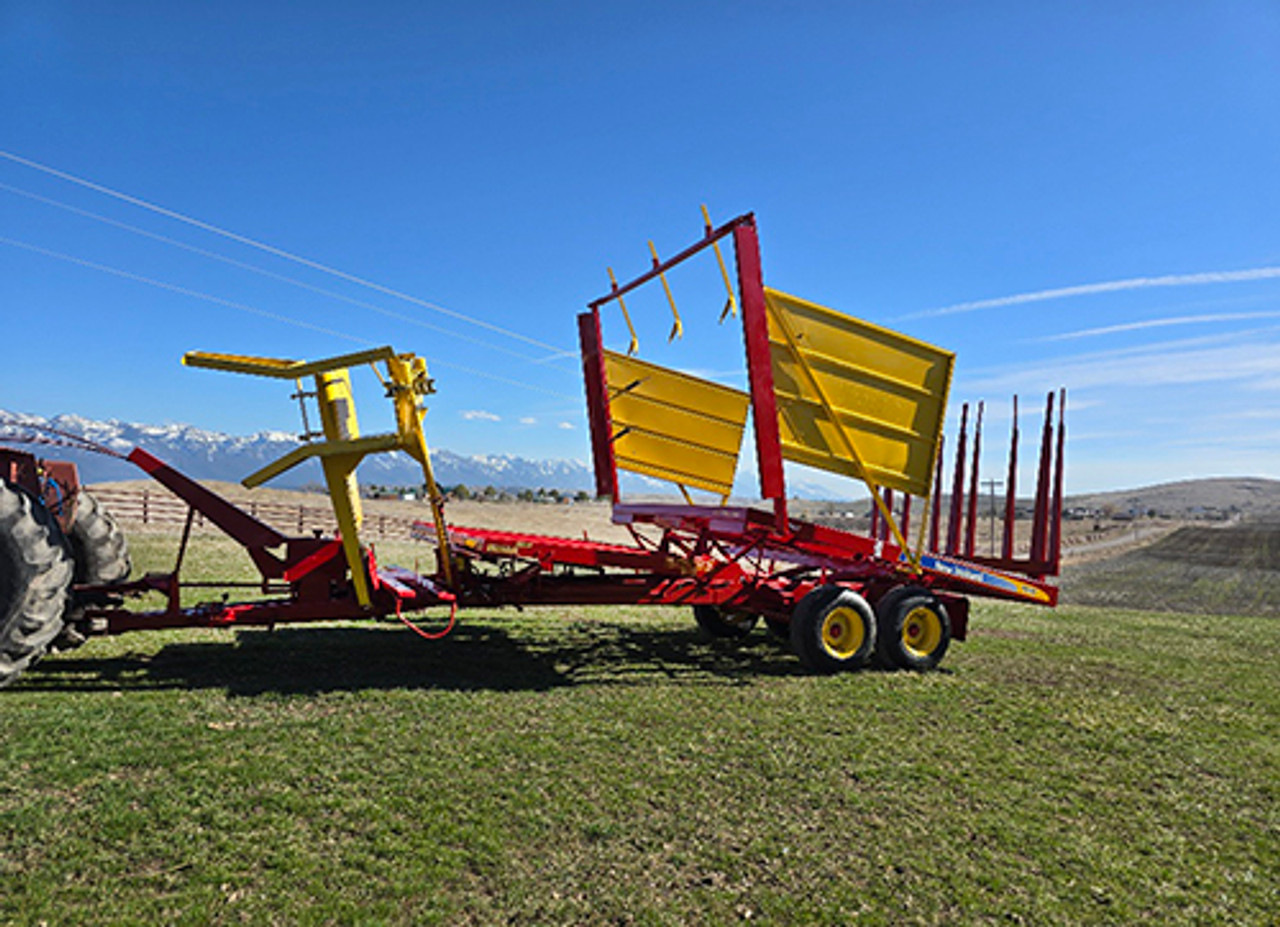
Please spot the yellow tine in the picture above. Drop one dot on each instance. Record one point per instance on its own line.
(677, 330)
(732, 305)
(635, 342)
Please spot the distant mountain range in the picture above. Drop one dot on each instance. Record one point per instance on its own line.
(211, 455)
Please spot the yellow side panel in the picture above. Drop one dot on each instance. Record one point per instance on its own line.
(888, 393)
(673, 426)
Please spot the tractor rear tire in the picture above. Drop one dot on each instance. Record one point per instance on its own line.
(35, 573)
(914, 630)
(101, 558)
(833, 629)
(99, 546)
(724, 624)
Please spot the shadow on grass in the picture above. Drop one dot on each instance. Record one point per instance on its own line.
(473, 657)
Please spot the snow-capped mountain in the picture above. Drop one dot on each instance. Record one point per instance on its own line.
(211, 455)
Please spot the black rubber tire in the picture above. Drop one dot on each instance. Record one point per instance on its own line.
(886, 652)
(101, 555)
(718, 623)
(913, 632)
(99, 546)
(35, 573)
(823, 634)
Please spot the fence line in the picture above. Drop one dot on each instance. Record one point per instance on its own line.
(159, 508)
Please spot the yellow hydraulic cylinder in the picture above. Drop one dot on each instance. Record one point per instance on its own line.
(408, 374)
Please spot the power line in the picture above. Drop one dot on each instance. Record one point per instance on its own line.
(270, 249)
(181, 290)
(270, 274)
(254, 310)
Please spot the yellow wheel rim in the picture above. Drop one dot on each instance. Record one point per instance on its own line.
(922, 631)
(842, 632)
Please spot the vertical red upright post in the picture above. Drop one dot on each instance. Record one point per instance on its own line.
(1040, 524)
(598, 417)
(888, 504)
(755, 331)
(1011, 492)
(971, 522)
(906, 516)
(1055, 524)
(957, 485)
(935, 513)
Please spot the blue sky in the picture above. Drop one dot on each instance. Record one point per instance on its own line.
(1080, 195)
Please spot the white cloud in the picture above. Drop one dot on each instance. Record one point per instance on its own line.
(1000, 411)
(528, 420)
(567, 426)
(1160, 323)
(704, 373)
(1254, 414)
(1251, 358)
(558, 355)
(479, 415)
(1112, 286)
(1234, 442)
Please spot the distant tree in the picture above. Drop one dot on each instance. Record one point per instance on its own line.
(582, 496)
(460, 492)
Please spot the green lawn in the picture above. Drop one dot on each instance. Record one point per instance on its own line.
(607, 766)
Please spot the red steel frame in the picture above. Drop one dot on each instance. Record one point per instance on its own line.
(737, 558)
(755, 331)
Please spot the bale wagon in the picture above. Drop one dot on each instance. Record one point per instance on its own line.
(825, 390)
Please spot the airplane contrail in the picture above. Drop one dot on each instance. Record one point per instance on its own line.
(1111, 286)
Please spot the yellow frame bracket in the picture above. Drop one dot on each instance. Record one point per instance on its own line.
(342, 449)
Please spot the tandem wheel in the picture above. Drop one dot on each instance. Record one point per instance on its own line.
(833, 629)
(717, 622)
(913, 630)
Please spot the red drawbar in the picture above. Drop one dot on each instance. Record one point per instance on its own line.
(235, 522)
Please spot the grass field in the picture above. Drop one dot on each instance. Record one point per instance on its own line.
(607, 766)
(1232, 569)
